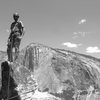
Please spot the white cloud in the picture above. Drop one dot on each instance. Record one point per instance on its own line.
(75, 33)
(83, 33)
(93, 50)
(71, 45)
(82, 21)
(79, 34)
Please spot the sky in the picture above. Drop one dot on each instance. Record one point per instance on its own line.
(66, 24)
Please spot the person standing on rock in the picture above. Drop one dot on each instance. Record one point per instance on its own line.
(17, 32)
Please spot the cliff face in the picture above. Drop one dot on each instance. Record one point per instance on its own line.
(7, 90)
(2, 58)
(63, 74)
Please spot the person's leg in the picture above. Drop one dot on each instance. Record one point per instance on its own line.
(16, 52)
(9, 52)
(17, 44)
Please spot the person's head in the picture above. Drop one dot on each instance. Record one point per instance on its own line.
(16, 16)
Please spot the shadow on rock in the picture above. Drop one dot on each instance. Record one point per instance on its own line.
(8, 83)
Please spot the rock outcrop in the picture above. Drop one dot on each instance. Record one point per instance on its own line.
(57, 73)
(7, 91)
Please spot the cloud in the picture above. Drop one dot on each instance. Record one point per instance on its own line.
(75, 33)
(79, 34)
(82, 21)
(83, 33)
(71, 45)
(93, 50)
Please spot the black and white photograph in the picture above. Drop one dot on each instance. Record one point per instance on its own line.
(49, 49)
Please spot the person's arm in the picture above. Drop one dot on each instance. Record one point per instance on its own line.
(11, 27)
(11, 31)
(22, 29)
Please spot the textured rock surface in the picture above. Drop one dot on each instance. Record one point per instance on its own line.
(2, 58)
(8, 83)
(61, 74)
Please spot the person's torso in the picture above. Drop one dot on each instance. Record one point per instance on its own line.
(16, 27)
